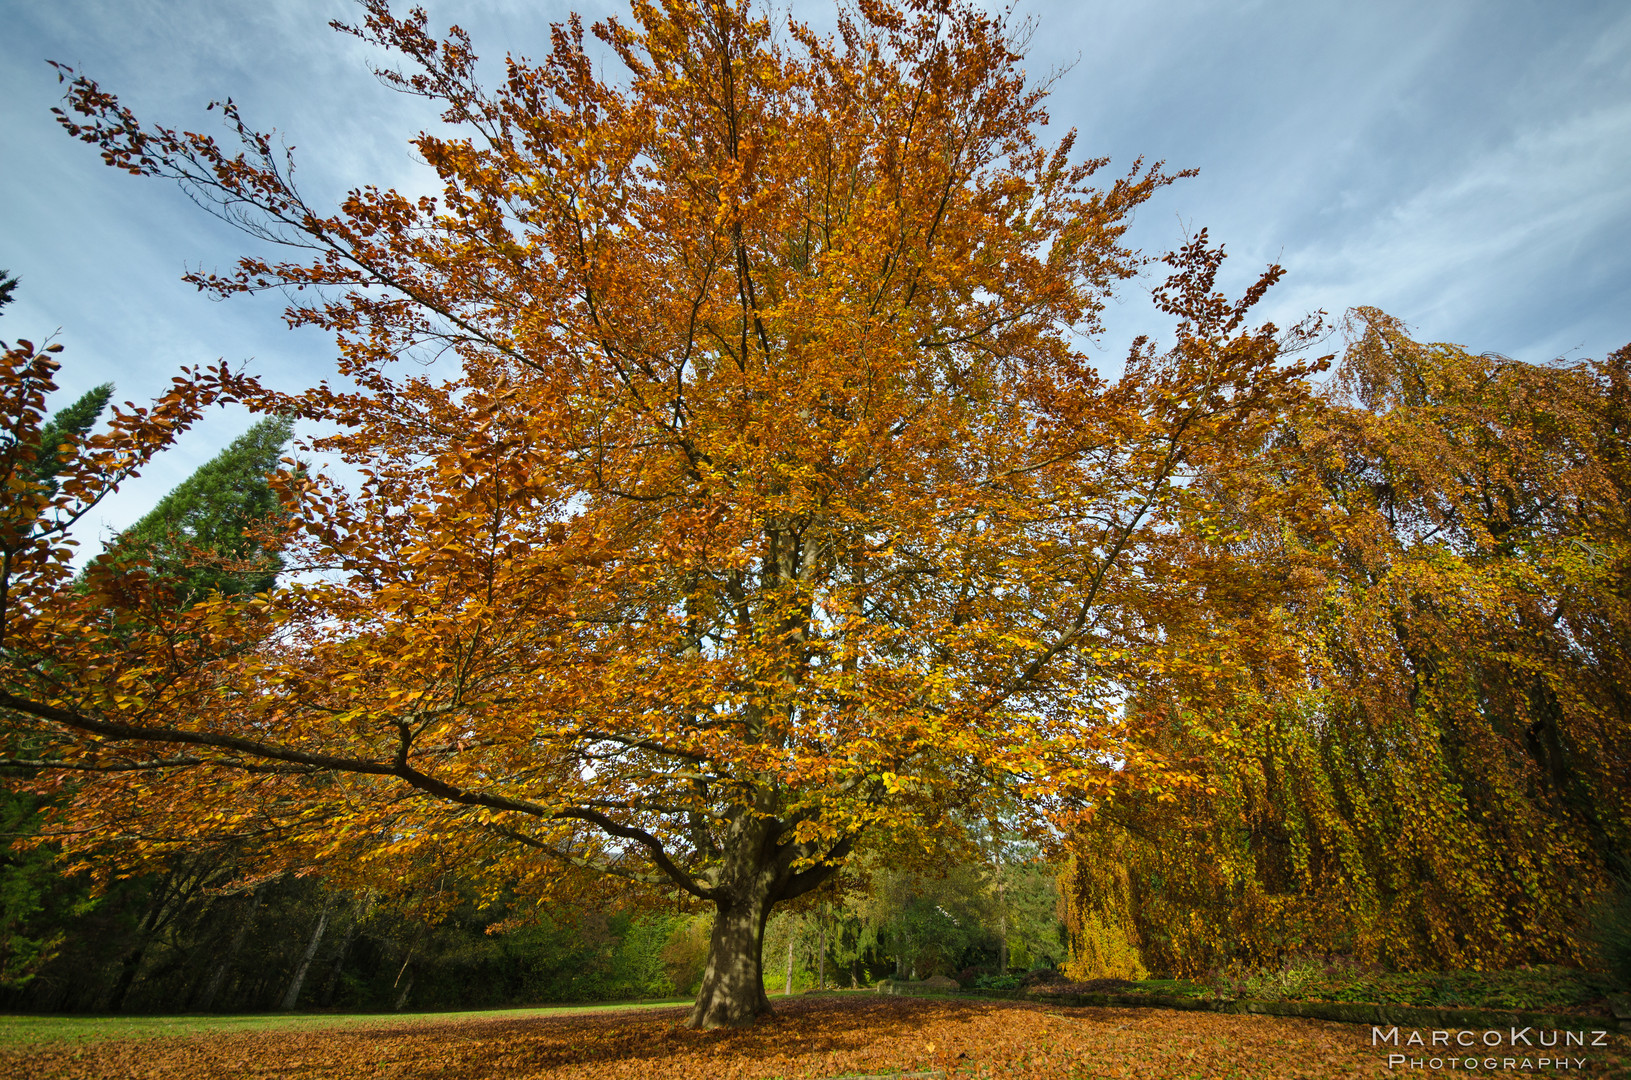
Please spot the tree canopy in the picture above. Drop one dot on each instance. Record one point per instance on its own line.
(1406, 697)
(758, 499)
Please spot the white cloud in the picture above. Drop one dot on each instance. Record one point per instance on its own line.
(1460, 163)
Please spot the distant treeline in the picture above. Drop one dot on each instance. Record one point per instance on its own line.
(199, 936)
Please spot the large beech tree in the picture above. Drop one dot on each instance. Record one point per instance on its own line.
(759, 498)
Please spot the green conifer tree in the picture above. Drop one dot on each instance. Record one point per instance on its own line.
(201, 535)
(68, 426)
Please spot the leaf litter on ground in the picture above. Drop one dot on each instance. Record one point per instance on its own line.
(808, 1039)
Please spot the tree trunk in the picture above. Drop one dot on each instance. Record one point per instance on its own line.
(821, 950)
(788, 991)
(299, 979)
(132, 962)
(334, 975)
(733, 986)
(218, 976)
(1002, 921)
(757, 873)
(402, 998)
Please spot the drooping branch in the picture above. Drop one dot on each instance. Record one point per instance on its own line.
(554, 852)
(398, 768)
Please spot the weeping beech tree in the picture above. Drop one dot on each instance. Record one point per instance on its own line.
(1406, 692)
(758, 502)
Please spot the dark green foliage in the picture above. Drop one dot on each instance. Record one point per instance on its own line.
(69, 426)
(854, 948)
(1030, 901)
(41, 910)
(153, 943)
(1536, 989)
(956, 922)
(201, 535)
(8, 288)
(27, 884)
(1169, 987)
(1611, 932)
(933, 933)
(572, 956)
(198, 937)
(637, 967)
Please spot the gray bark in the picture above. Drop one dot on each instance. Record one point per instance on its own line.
(301, 968)
(335, 972)
(1002, 918)
(218, 976)
(402, 998)
(756, 874)
(132, 962)
(733, 989)
(821, 950)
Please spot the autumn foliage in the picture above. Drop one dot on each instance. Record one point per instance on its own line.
(758, 502)
(1407, 707)
(863, 1036)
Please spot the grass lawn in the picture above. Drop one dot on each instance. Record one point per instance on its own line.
(39, 1029)
(811, 1038)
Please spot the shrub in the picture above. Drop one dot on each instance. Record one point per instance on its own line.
(686, 953)
(1538, 988)
(1294, 978)
(1611, 933)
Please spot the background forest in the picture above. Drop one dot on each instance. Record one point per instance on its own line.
(194, 939)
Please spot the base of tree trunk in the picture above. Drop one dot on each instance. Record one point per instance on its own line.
(733, 989)
(721, 1012)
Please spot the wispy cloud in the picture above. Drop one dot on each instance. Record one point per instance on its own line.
(1460, 163)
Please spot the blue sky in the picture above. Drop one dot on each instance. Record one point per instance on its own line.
(1462, 164)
